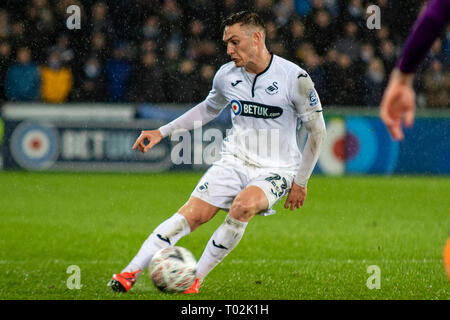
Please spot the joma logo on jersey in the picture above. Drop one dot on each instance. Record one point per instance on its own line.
(255, 110)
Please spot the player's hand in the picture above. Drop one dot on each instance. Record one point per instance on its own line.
(398, 103)
(151, 136)
(296, 197)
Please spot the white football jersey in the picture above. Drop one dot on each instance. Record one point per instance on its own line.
(265, 110)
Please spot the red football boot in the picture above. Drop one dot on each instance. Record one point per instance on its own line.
(123, 282)
(195, 287)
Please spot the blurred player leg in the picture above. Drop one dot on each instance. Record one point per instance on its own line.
(165, 235)
(193, 214)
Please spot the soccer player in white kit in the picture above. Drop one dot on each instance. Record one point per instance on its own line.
(260, 159)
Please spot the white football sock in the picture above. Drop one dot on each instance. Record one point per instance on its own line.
(165, 235)
(222, 242)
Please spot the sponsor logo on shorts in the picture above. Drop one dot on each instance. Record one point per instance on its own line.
(279, 184)
(203, 187)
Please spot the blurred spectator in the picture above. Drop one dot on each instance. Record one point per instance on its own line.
(100, 21)
(295, 38)
(437, 85)
(150, 46)
(349, 42)
(207, 52)
(151, 28)
(171, 22)
(147, 80)
(196, 30)
(171, 12)
(118, 72)
(98, 46)
(271, 32)
(194, 36)
(305, 49)
(446, 42)
(171, 69)
(45, 17)
(62, 47)
(57, 79)
(92, 81)
(5, 28)
(228, 7)
(264, 8)
(188, 82)
(316, 5)
(207, 12)
(172, 58)
(179, 34)
(302, 7)
(313, 65)
(388, 54)
(437, 53)
(18, 36)
(207, 72)
(22, 79)
(355, 12)
(366, 53)
(279, 49)
(5, 61)
(282, 12)
(374, 82)
(330, 66)
(39, 23)
(322, 33)
(346, 81)
(332, 6)
(382, 34)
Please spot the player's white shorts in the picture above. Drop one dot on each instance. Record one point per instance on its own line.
(228, 176)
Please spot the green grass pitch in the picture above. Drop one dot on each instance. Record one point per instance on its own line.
(50, 221)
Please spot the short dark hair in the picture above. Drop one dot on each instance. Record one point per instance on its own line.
(244, 18)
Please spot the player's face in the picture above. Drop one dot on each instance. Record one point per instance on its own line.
(240, 43)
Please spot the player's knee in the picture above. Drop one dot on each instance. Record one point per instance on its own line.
(242, 209)
(195, 220)
(197, 213)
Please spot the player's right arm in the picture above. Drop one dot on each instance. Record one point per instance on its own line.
(202, 113)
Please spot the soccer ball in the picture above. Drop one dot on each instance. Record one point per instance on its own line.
(173, 269)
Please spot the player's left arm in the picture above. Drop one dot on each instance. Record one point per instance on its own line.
(310, 112)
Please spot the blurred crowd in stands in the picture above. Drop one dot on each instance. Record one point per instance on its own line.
(168, 51)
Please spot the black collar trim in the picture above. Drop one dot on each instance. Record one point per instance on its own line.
(267, 68)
